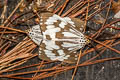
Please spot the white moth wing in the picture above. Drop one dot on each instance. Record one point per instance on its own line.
(61, 38)
(35, 34)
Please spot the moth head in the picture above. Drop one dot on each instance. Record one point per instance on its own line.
(84, 41)
(87, 41)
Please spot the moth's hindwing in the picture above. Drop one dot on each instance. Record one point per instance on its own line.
(35, 34)
(61, 37)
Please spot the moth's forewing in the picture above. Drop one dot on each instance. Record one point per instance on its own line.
(61, 38)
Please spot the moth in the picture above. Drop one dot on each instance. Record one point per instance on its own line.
(58, 38)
